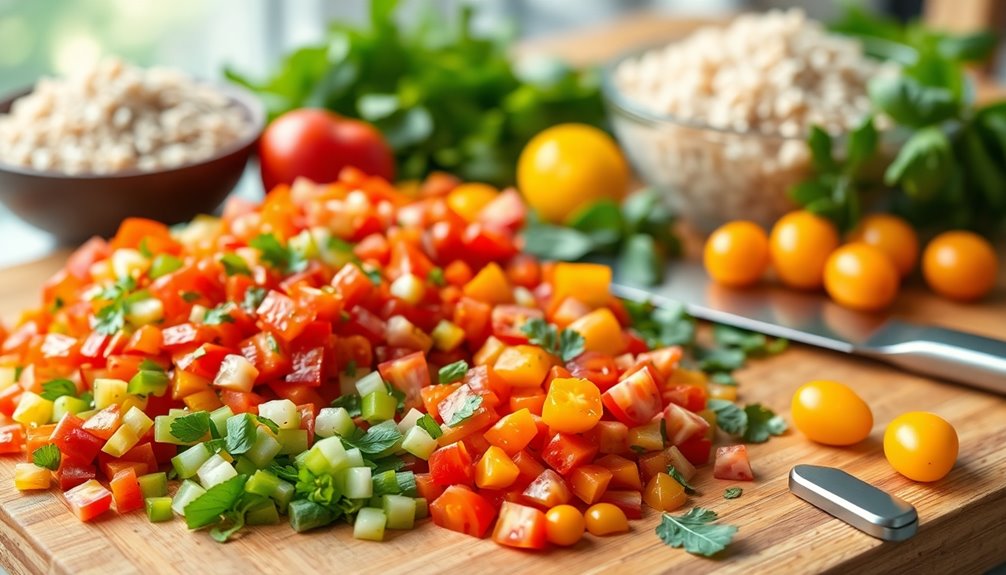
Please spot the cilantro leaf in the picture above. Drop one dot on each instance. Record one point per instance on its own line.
(47, 456)
(110, 319)
(350, 402)
(219, 499)
(571, 344)
(724, 378)
(374, 275)
(729, 417)
(378, 438)
(674, 473)
(220, 314)
(253, 298)
(192, 427)
(466, 410)
(235, 265)
(732, 492)
(721, 359)
(53, 390)
(273, 252)
(350, 369)
(429, 425)
(320, 489)
(695, 532)
(762, 424)
(663, 326)
(436, 277)
(453, 371)
(241, 433)
(540, 333)
(273, 427)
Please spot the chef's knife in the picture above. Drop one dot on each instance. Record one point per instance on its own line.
(814, 320)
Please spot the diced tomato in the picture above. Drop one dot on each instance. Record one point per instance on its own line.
(635, 400)
(451, 465)
(566, 451)
(520, 526)
(241, 401)
(282, 316)
(408, 374)
(352, 285)
(73, 441)
(434, 394)
(184, 335)
(505, 211)
(146, 340)
(696, 450)
(80, 261)
(205, 361)
(484, 243)
(126, 491)
(691, 397)
(12, 439)
(88, 500)
(307, 413)
(548, 490)
(630, 502)
(732, 463)
(72, 473)
(473, 316)
(508, 321)
(461, 509)
(598, 368)
(105, 422)
(427, 488)
(10, 396)
(682, 425)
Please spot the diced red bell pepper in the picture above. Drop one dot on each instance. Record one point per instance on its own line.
(126, 491)
(566, 451)
(12, 439)
(74, 441)
(452, 465)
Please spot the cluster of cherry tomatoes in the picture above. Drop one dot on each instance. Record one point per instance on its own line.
(865, 273)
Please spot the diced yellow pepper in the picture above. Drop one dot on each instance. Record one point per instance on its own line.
(718, 391)
(601, 332)
(28, 476)
(138, 421)
(124, 439)
(489, 285)
(205, 400)
(523, 365)
(33, 409)
(495, 470)
(447, 336)
(109, 392)
(184, 384)
(489, 352)
(589, 283)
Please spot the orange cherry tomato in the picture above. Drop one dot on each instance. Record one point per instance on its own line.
(737, 254)
(860, 276)
(564, 525)
(921, 446)
(572, 405)
(891, 235)
(606, 519)
(960, 265)
(831, 413)
(800, 244)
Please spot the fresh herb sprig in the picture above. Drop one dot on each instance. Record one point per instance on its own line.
(696, 532)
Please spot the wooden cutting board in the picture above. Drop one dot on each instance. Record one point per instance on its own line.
(962, 517)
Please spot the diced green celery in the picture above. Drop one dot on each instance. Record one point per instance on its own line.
(187, 492)
(384, 482)
(177, 412)
(187, 463)
(409, 420)
(68, 404)
(153, 484)
(400, 511)
(283, 494)
(305, 515)
(215, 470)
(292, 441)
(357, 483)
(300, 458)
(355, 457)
(327, 456)
(148, 382)
(419, 443)
(219, 417)
(262, 483)
(265, 448)
(263, 513)
(369, 524)
(333, 421)
(378, 406)
(244, 466)
(163, 264)
(158, 509)
(370, 383)
(422, 508)
(282, 412)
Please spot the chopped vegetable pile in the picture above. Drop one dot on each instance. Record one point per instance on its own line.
(361, 353)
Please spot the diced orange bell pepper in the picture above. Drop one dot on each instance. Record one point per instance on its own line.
(185, 383)
(530, 399)
(490, 285)
(601, 332)
(513, 432)
(147, 340)
(664, 493)
(523, 365)
(205, 400)
(567, 311)
(589, 482)
(590, 283)
(624, 472)
(489, 352)
(495, 470)
(610, 436)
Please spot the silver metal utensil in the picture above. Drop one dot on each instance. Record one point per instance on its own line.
(814, 320)
(865, 507)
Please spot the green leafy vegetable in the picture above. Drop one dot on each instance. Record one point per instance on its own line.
(53, 390)
(467, 409)
(763, 423)
(430, 426)
(240, 433)
(350, 402)
(208, 508)
(273, 427)
(192, 427)
(220, 314)
(253, 298)
(453, 371)
(673, 472)
(732, 492)
(47, 456)
(436, 277)
(729, 417)
(695, 532)
(377, 439)
(571, 344)
(234, 265)
(663, 326)
(568, 344)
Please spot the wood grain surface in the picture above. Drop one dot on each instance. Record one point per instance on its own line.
(962, 517)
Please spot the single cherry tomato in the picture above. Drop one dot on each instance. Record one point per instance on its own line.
(736, 254)
(921, 446)
(800, 244)
(831, 413)
(960, 265)
(606, 519)
(860, 276)
(564, 525)
(573, 405)
(891, 235)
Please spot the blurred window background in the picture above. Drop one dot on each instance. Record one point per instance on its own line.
(39, 37)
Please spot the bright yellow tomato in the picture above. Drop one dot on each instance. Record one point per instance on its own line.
(606, 519)
(800, 244)
(568, 167)
(860, 276)
(573, 405)
(891, 235)
(564, 525)
(831, 413)
(921, 446)
(960, 265)
(467, 200)
(736, 254)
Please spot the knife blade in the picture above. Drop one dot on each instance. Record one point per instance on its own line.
(813, 319)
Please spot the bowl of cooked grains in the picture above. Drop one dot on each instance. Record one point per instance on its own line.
(81, 153)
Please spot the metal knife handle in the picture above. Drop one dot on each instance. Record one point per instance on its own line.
(944, 353)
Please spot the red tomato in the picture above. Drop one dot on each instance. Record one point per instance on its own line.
(506, 211)
(566, 451)
(72, 473)
(126, 491)
(408, 374)
(682, 425)
(548, 490)
(11, 438)
(462, 510)
(630, 502)
(597, 367)
(732, 463)
(696, 450)
(73, 441)
(281, 315)
(451, 465)
(318, 144)
(88, 500)
(691, 397)
(635, 400)
(507, 321)
(520, 526)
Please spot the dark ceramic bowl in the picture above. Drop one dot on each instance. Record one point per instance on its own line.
(76, 207)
